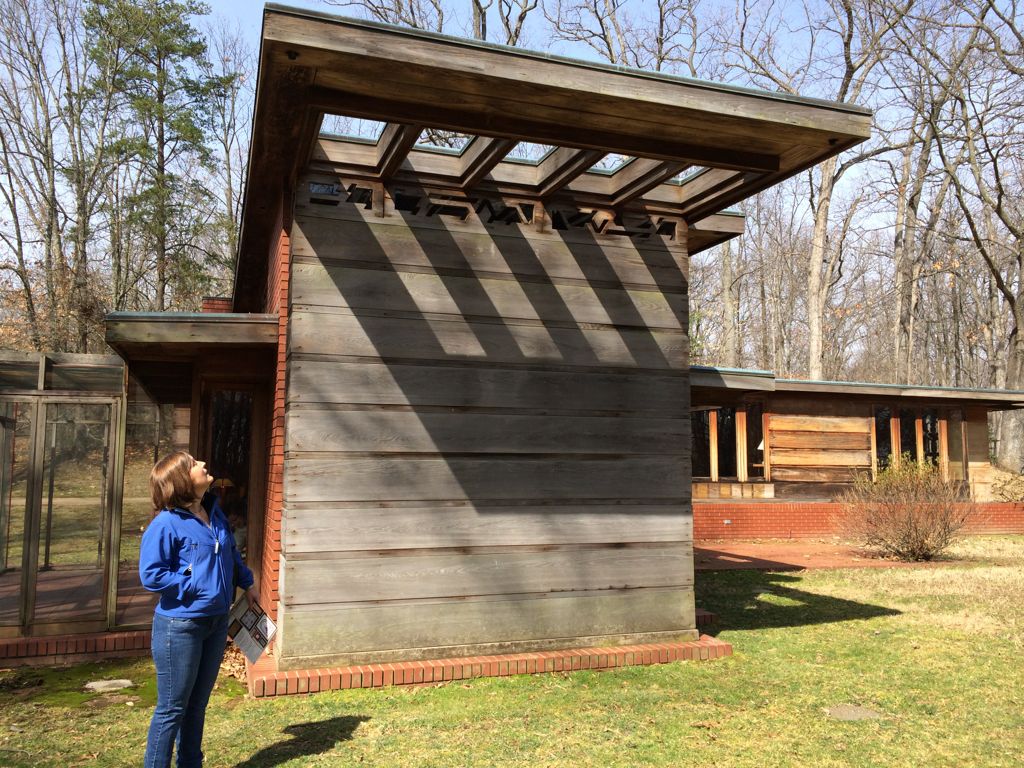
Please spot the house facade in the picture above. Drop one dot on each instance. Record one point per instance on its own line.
(452, 393)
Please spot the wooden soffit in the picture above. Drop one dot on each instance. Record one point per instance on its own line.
(697, 148)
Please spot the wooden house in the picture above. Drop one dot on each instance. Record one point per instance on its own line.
(463, 377)
(755, 436)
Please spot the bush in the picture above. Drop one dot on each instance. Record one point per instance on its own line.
(909, 512)
(1009, 487)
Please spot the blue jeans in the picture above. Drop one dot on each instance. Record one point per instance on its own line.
(187, 654)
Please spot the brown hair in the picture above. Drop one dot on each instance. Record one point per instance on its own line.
(170, 482)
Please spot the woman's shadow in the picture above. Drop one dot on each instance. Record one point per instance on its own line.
(307, 739)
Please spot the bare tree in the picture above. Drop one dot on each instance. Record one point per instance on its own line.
(833, 51)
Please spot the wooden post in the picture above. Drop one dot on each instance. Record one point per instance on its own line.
(874, 447)
(766, 425)
(713, 441)
(894, 437)
(741, 444)
(919, 434)
(943, 447)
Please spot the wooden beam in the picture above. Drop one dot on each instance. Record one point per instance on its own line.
(919, 433)
(446, 112)
(480, 157)
(766, 457)
(639, 177)
(713, 443)
(741, 444)
(894, 436)
(944, 447)
(393, 146)
(562, 166)
(874, 447)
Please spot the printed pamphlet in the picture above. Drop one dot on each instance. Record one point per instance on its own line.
(250, 629)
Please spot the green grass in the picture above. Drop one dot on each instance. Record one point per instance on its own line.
(934, 649)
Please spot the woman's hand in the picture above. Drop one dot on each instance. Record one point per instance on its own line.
(252, 595)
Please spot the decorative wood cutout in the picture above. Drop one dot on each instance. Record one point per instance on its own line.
(494, 211)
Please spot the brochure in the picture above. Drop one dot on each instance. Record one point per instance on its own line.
(250, 629)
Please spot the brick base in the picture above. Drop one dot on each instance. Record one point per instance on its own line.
(705, 618)
(446, 670)
(73, 649)
(809, 519)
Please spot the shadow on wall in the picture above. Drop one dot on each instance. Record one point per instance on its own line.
(461, 384)
(307, 739)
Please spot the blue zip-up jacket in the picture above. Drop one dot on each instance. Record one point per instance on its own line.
(190, 564)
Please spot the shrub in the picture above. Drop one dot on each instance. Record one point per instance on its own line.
(909, 512)
(1009, 487)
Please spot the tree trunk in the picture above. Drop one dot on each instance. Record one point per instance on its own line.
(817, 288)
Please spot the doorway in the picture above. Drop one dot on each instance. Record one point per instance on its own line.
(232, 438)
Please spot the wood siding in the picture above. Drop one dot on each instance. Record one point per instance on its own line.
(488, 439)
(817, 440)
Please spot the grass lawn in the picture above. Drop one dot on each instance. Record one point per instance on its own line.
(934, 649)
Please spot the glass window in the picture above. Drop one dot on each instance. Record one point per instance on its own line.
(883, 437)
(726, 442)
(955, 444)
(755, 436)
(908, 434)
(930, 430)
(700, 433)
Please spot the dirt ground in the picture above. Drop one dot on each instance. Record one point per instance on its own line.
(783, 555)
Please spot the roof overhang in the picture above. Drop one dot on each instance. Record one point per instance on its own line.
(993, 399)
(698, 147)
(713, 386)
(162, 348)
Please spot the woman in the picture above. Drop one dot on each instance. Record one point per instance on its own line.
(189, 556)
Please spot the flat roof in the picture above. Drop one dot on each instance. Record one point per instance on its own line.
(755, 380)
(697, 148)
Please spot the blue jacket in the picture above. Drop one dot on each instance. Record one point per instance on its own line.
(190, 564)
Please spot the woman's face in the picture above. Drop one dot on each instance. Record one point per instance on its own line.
(201, 479)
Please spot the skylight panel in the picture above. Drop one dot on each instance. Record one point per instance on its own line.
(351, 128)
(610, 163)
(449, 142)
(528, 152)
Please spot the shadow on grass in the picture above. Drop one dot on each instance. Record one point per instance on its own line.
(764, 600)
(307, 739)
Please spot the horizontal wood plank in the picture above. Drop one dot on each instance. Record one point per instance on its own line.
(410, 432)
(331, 333)
(665, 250)
(786, 423)
(511, 250)
(333, 381)
(792, 457)
(414, 577)
(324, 527)
(340, 632)
(405, 479)
(827, 440)
(413, 292)
(816, 474)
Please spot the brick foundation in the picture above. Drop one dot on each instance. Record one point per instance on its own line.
(446, 670)
(809, 519)
(73, 649)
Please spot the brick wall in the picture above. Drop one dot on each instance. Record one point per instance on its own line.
(217, 304)
(276, 301)
(785, 520)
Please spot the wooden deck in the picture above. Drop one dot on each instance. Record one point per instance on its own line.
(67, 595)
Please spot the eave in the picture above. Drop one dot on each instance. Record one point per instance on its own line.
(740, 140)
